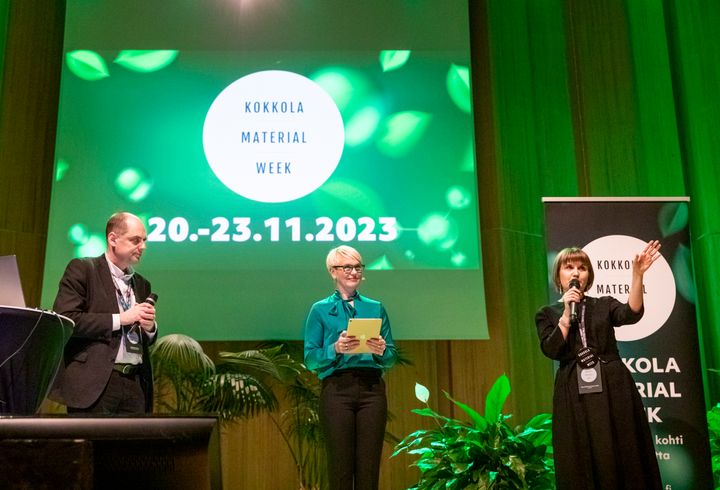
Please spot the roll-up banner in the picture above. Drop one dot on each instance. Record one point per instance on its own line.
(661, 350)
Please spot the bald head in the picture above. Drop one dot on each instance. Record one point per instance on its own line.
(125, 235)
(118, 223)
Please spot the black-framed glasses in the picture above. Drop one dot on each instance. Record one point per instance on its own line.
(347, 269)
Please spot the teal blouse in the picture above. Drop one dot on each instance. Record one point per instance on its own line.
(326, 321)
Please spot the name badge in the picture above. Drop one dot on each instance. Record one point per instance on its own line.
(589, 379)
(132, 340)
(586, 358)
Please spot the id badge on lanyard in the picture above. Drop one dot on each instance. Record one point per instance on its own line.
(589, 373)
(130, 333)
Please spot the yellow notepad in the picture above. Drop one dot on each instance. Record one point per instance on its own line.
(363, 329)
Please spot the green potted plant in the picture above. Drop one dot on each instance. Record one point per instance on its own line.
(188, 381)
(713, 418)
(484, 453)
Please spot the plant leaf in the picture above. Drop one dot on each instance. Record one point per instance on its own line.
(233, 396)
(270, 361)
(422, 393)
(392, 59)
(145, 61)
(425, 412)
(478, 420)
(179, 354)
(458, 87)
(496, 399)
(87, 65)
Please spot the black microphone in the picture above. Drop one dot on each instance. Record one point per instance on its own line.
(574, 283)
(152, 298)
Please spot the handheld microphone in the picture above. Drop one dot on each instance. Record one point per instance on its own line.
(152, 298)
(574, 283)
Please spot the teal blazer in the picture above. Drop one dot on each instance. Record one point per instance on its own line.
(327, 320)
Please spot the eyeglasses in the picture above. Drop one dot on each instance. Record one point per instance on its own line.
(347, 269)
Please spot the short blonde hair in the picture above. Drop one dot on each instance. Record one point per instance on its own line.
(572, 254)
(343, 251)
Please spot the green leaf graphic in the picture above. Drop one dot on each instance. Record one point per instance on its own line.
(349, 196)
(682, 270)
(380, 264)
(87, 65)
(401, 132)
(392, 59)
(362, 126)
(61, 169)
(672, 218)
(145, 61)
(458, 87)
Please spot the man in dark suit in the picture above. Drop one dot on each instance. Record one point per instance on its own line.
(106, 370)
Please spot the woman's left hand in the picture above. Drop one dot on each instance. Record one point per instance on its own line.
(376, 345)
(645, 259)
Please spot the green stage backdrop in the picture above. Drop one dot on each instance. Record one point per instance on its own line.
(252, 138)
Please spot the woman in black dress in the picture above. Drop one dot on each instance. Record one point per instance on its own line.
(601, 437)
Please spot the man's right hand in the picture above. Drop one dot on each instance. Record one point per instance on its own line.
(142, 313)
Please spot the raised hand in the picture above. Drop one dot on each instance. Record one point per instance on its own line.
(643, 260)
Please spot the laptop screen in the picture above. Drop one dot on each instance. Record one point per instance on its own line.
(11, 293)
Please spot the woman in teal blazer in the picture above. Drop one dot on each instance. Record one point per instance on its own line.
(353, 405)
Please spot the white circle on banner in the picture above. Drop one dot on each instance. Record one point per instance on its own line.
(273, 136)
(588, 375)
(612, 258)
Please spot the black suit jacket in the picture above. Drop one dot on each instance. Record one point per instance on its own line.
(87, 296)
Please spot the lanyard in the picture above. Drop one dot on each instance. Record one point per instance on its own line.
(125, 300)
(581, 327)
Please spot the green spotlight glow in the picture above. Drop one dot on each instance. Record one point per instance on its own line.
(438, 231)
(458, 259)
(133, 184)
(458, 197)
(78, 234)
(94, 246)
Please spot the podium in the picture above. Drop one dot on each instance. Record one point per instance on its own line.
(158, 452)
(31, 349)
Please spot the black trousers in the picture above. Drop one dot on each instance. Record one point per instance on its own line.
(353, 413)
(123, 395)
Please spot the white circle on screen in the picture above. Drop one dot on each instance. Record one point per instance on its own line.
(273, 136)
